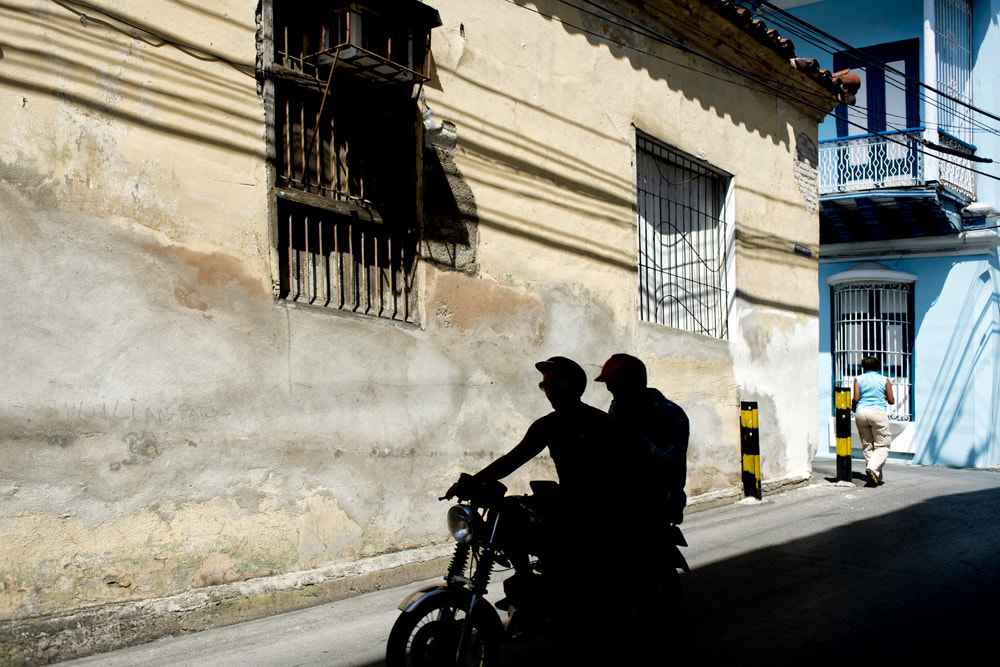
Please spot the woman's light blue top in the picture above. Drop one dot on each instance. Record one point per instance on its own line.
(872, 386)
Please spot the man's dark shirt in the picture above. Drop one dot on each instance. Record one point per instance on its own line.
(579, 439)
(654, 433)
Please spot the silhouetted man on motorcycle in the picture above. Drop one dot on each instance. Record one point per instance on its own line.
(653, 431)
(653, 439)
(579, 436)
(604, 495)
(581, 440)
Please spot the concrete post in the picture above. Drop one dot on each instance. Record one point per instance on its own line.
(750, 445)
(842, 399)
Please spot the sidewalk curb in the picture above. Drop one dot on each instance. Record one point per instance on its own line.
(88, 631)
(83, 632)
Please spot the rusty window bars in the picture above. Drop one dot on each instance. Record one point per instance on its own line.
(346, 145)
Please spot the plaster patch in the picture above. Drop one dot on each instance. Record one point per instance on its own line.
(468, 303)
(212, 270)
(50, 563)
(188, 296)
(774, 353)
(218, 568)
(325, 533)
(142, 449)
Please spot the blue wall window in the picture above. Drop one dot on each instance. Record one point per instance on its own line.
(875, 318)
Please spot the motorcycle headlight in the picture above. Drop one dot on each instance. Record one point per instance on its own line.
(461, 522)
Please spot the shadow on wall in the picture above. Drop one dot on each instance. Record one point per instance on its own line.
(451, 219)
(539, 173)
(80, 43)
(100, 40)
(952, 430)
(684, 38)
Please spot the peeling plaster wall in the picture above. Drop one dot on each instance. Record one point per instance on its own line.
(165, 424)
(548, 148)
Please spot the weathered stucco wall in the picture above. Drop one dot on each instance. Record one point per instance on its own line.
(165, 424)
(548, 147)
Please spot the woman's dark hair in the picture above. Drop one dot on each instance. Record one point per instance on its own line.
(871, 364)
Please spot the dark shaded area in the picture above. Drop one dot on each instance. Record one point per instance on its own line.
(886, 215)
(918, 584)
(451, 218)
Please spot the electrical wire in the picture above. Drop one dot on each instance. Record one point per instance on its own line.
(884, 116)
(635, 27)
(154, 38)
(790, 25)
(832, 45)
(672, 42)
(645, 30)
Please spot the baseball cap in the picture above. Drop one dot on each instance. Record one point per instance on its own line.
(622, 367)
(568, 369)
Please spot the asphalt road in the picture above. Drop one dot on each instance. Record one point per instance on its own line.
(825, 574)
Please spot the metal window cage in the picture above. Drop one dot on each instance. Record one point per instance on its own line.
(875, 319)
(683, 241)
(346, 152)
(382, 40)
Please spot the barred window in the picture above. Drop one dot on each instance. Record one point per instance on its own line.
(346, 142)
(874, 318)
(685, 240)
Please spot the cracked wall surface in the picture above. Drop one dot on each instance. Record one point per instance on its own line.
(165, 424)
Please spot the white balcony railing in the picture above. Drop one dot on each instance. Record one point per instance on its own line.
(891, 160)
(870, 162)
(956, 172)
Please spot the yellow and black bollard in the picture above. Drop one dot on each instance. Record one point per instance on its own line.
(842, 400)
(750, 444)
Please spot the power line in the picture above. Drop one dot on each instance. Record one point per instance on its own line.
(198, 52)
(791, 25)
(817, 37)
(638, 27)
(684, 47)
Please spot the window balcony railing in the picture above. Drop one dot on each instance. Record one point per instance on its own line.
(956, 171)
(891, 160)
(871, 162)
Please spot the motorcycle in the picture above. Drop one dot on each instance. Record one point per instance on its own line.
(453, 624)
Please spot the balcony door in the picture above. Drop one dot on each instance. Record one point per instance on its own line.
(887, 103)
(886, 100)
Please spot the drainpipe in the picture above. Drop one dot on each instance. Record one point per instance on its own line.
(931, 164)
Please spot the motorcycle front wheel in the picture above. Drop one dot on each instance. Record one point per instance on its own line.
(429, 636)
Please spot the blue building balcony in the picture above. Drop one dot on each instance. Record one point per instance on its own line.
(887, 185)
(870, 162)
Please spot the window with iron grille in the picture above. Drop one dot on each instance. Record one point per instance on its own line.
(685, 240)
(346, 144)
(875, 319)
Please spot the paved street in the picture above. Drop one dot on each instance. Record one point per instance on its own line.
(820, 575)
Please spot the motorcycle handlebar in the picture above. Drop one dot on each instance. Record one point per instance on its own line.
(477, 491)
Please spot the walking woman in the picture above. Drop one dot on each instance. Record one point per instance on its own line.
(871, 400)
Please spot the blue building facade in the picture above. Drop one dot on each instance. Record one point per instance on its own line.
(909, 211)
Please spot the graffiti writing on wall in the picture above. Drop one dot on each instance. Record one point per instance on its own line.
(134, 410)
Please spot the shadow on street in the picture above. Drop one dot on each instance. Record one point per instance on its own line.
(919, 583)
(922, 582)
